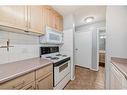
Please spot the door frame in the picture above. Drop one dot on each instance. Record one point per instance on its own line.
(98, 29)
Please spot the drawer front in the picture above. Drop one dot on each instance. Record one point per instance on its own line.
(43, 71)
(45, 83)
(19, 82)
(30, 86)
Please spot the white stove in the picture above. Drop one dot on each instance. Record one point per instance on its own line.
(61, 65)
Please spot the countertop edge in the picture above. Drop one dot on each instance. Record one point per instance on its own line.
(124, 74)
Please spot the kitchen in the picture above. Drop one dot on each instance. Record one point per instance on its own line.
(39, 46)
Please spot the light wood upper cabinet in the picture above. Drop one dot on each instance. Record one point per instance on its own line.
(35, 19)
(47, 21)
(13, 16)
(57, 20)
(61, 23)
(30, 18)
(52, 19)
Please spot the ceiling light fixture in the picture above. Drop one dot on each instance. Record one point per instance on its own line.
(89, 19)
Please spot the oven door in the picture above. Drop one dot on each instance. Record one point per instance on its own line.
(61, 71)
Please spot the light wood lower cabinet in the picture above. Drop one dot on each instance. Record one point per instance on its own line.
(30, 86)
(19, 82)
(44, 78)
(45, 82)
(38, 79)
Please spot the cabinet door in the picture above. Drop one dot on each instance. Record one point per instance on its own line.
(57, 20)
(18, 83)
(61, 23)
(45, 83)
(35, 19)
(13, 16)
(47, 17)
(118, 81)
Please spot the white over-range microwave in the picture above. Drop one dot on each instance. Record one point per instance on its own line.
(52, 36)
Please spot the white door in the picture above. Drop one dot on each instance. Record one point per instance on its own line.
(83, 48)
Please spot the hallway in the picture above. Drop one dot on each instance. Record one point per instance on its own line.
(87, 79)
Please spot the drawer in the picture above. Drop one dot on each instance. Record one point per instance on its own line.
(30, 86)
(45, 83)
(20, 82)
(43, 71)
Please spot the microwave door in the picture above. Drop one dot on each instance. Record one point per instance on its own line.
(54, 38)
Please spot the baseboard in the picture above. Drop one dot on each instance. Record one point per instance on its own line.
(73, 78)
(94, 69)
(81, 67)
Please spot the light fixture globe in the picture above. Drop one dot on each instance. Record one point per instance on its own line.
(89, 19)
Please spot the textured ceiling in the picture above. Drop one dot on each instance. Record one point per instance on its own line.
(80, 12)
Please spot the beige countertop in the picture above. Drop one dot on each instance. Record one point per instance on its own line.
(12, 70)
(121, 64)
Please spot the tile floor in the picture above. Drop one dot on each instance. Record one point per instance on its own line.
(87, 79)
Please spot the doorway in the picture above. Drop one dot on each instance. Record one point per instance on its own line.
(101, 45)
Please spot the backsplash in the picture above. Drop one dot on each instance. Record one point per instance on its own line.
(25, 46)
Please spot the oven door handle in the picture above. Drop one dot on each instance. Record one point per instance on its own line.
(60, 63)
(63, 67)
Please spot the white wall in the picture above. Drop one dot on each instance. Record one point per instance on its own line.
(116, 25)
(92, 27)
(68, 21)
(25, 46)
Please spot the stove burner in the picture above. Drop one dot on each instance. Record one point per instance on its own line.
(61, 55)
(48, 57)
(58, 54)
(64, 55)
(54, 58)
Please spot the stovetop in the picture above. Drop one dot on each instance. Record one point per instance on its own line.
(54, 57)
